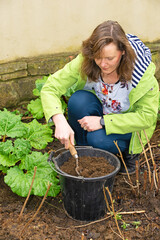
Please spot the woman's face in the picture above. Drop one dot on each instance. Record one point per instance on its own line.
(109, 59)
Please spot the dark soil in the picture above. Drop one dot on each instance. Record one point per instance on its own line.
(98, 166)
(53, 223)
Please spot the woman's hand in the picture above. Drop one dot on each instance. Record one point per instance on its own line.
(90, 123)
(63, 131)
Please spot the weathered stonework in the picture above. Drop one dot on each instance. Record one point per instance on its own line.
(155, 49)
(12, 67)
(17, 79)
(45, 66)
(14, 75)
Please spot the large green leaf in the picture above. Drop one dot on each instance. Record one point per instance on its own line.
(10, 154)
(39, 85)
(35, 108)
(22, 147)
(38, 135)
(6, 147)
(11, 125)
(3, 169)
(19, 178)
(6, 157)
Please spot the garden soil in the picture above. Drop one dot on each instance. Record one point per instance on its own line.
(98, 167)
(138, 214)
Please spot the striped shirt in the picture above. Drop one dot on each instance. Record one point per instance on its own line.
(143, 54)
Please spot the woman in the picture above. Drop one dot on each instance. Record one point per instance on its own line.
(116, 94)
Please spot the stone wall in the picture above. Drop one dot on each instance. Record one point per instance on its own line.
(17, 78)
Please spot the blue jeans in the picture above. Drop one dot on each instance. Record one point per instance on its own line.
(83, 103)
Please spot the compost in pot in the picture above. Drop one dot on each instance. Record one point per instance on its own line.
(83, 197)
(89, 167)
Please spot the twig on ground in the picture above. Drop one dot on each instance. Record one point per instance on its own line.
(144, 152)
(115, 232)
(154, 177)
(132, 212)
(149, 219)
(114, 213)
(85, 225)
(152, 146)
(20, 215)
(153, 162)
(155, 155)
(141, 164)
(105, 198)
(103, 219)
(157, 130)
(131, 184)
(82, 236)
(49, 185)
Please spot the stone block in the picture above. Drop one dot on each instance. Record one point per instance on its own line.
(11, 67)
(47, 65)
(42, 67)
(12, 93)
(8, 95)
(24, 87)
(14, 75)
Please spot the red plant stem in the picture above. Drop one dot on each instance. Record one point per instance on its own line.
(137, 175)
(152, 182)
(145, 180)
(150, 149)
(82, 236)
(4, 138)
(149, 170)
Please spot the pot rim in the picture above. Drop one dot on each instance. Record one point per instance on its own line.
(101, 178)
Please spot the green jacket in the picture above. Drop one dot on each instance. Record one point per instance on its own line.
(142, 114)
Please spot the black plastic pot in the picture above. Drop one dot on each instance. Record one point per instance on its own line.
(83, 198)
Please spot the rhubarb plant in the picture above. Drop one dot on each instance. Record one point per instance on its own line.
(18, 155)
(35, 106)
(19, 178)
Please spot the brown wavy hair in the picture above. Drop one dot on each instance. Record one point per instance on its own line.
(105, 33)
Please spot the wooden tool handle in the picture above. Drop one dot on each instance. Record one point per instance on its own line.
(72, 149)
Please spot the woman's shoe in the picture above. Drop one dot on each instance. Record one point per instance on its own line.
(130, 161)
